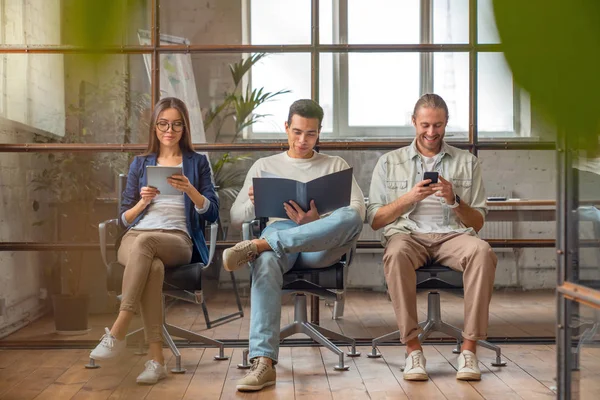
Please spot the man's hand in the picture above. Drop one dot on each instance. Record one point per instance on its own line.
(444, 189)
(420, 191)
(300, 217)
(251, 194)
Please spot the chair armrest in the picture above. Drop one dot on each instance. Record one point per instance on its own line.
(102, 226)
(251, 229)
(212, 241)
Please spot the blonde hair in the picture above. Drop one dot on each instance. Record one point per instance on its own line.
(430, 100)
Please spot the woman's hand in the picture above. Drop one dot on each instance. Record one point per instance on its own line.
(148, 193)
(181, 183)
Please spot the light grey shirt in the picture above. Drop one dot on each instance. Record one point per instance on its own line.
(399, 170)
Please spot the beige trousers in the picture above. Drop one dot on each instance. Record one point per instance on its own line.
(145, 254)
(405, 253)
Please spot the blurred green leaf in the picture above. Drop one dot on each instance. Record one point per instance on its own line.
(553, 49)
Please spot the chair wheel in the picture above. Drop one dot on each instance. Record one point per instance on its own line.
(355, 354)
(178, 370)
(499, 364)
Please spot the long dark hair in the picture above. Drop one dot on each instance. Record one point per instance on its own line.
(185, 143)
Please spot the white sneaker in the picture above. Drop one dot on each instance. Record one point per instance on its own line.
(414, 368)
(109, 347)
(468, 367)
(152, 373)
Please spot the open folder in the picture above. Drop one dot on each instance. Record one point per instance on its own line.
(329, 192)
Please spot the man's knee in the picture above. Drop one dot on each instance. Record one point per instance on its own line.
(397, 258)
(351, 218)
(482, 249)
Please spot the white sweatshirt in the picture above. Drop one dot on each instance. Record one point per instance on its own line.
(300, 169)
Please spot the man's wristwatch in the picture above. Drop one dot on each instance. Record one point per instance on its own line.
(456, 202)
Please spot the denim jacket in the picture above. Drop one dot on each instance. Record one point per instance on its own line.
(197, 169)
(398, 171)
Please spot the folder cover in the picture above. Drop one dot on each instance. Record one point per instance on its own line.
(329, 192)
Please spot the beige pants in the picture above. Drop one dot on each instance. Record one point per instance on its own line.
(404, 254)
(145, 255)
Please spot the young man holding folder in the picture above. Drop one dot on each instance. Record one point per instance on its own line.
(306, 238)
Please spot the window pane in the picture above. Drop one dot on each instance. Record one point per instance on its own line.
(496, 96)
(451, 81)
(585, 379)
(290, 71)
(215, 22)
(326, 98)
(383, 21)
(56, 22)
(67, 98)
(280, 21)
(326, 25)
(486, 23)
(382, 88)
(451, 21)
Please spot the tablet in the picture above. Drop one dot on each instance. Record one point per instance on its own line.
(157, 177)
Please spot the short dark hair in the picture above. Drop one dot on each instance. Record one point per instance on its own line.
(306, 108)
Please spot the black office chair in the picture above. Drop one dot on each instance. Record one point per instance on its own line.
(434, 322)
(326, 283)
(181, 283)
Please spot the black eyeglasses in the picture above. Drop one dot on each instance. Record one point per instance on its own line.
(163, 126)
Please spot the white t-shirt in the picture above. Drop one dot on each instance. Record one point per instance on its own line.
(428, 214)
(165, 212)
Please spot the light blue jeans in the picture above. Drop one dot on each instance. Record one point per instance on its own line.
(317, 244)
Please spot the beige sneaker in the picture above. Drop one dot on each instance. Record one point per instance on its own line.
(259, 376)
(414, 367)
(468, 367)
(237, 256)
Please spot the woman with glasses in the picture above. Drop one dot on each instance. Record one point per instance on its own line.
(161, 231)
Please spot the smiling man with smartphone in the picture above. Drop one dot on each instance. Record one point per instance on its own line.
(429, 199)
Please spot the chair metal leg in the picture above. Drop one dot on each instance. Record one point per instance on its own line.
(497, 349)
(194, 337)
(309, 330)
(169, 340)
(335, 335)
(92, 364)
(427, 330)
(338, 306)
(225, 318)
(390, 336)
(288, 331)
(244, 364)
(456, 350)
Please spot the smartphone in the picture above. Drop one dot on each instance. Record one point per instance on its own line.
(431, 175)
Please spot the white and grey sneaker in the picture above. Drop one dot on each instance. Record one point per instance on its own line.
(414, 368)
(468, 367)
(153, 372)
(109, 347)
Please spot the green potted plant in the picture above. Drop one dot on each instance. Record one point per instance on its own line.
(240, 103)
(72, 182)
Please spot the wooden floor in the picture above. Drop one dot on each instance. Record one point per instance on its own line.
(306, 372)
(367, 315)
(303, 373)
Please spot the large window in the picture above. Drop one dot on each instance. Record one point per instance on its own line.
(368, 93)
